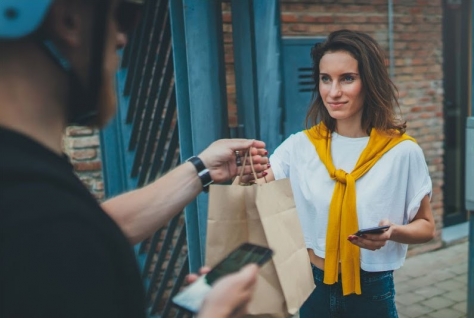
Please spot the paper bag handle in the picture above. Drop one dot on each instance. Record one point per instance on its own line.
(247, 154)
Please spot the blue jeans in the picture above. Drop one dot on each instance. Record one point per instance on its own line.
(376, 301)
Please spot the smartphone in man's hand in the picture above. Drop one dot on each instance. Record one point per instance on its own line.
(192, 297)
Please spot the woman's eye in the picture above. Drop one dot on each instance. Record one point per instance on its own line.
(348, 78)
(324, 79)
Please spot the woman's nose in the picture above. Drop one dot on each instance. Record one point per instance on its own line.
(335, 89)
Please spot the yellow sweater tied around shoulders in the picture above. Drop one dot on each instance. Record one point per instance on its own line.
(342, 210)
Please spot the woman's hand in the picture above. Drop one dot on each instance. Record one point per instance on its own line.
(373, 241)
(420, 230)
(222, 158)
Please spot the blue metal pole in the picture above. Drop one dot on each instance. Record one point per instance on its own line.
(112, 159)
(184, 124)
(470, 287)
(268, 63)
(202, 111)
(472, 60)
(469, 189)
(258, 69)
(243, 33)
(207, 88)
(116, 159)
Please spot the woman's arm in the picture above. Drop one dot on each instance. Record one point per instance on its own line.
(420, 230)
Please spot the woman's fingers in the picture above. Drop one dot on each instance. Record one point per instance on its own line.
(366, 243)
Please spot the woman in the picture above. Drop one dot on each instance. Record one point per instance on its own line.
(355, 168)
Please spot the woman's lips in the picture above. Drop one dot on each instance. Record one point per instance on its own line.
(336, 104)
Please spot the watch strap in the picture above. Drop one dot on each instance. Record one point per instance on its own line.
(203, 172)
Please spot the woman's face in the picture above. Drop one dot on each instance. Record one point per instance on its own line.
(340, 87)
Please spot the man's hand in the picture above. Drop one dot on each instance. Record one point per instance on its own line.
(220, 158)
(193, 277)
(231, 294)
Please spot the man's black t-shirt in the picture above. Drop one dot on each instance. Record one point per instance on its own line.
(61, 255)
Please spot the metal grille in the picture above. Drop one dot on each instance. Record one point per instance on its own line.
(152, 145)
(305, 80)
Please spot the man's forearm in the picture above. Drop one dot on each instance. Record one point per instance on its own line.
(139, 213)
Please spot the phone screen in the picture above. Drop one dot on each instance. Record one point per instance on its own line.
(192, 297)
(243, 255)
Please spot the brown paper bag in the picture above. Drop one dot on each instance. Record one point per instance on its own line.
(263, 214)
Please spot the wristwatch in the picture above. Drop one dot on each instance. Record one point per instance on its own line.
(202, 171)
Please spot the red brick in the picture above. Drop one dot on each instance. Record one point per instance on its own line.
(344, 19)
(87, 166)
(415, 10)
(229, 58)
(359, 19)
(317, 29)
(405, 19)
(299, 27)
(227, 27)
(228, 38)
(377, 19)
(79, 131)
(226, 17)
(84, 142)
(317, 19)
(99, 186)
(83, 154)
(225, 5)
(288, 17)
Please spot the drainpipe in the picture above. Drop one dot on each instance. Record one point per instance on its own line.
(390, 38)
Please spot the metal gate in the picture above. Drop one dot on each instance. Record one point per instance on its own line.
(142, 143)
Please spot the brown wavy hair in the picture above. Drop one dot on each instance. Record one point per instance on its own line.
(380, 92)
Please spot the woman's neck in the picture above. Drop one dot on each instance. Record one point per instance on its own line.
(350, 130)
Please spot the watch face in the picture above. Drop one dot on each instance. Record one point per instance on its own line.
(205, 177)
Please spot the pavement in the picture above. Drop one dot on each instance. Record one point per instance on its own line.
(434, 284)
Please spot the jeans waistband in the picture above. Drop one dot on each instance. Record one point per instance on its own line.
(365, 276)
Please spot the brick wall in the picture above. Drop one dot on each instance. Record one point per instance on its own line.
(83, 147)
(419, 76)
(229, 60)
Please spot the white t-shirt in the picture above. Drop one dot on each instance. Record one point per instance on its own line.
(392, 189)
